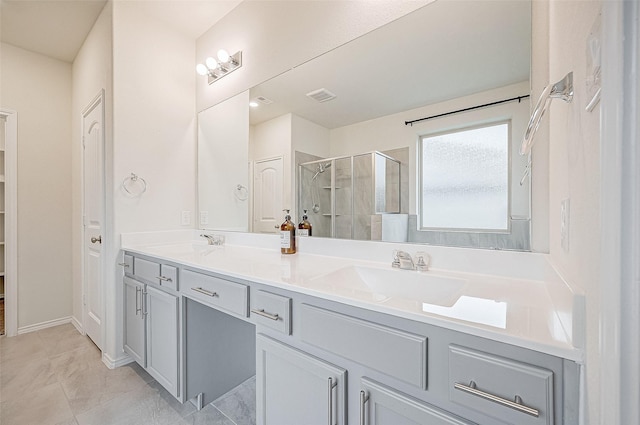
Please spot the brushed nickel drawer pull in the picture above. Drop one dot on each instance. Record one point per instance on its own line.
(263, 313)
(516, 405)
(123, 264)
(166, 279)
(205, 292)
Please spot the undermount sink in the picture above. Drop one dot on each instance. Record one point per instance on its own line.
(385, 284)
(187, 248)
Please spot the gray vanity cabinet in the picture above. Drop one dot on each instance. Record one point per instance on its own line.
(162, 338)
(151, 320)
(294, 388)
(382, 405)
(134, 329)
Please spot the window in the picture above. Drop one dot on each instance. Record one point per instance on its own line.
(464, 179)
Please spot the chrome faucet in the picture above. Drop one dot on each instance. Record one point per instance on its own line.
(213, 239)
(402, 260)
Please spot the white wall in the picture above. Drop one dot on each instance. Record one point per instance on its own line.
(276, 36)
(223, 144)
(540, 152)
(575, 173)
(92, 73)
(390, 132)
(153, 136)
(39, 89)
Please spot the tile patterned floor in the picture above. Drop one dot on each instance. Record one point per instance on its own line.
(55, 377)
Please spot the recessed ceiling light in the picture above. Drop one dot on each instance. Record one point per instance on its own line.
(253, 104)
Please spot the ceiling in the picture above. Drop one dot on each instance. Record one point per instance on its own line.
(57, 28)
(445, 50)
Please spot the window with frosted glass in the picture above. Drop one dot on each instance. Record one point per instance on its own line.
(464, 182)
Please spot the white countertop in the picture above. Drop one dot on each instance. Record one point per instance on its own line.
(538, 314)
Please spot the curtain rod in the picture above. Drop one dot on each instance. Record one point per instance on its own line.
(519, 98)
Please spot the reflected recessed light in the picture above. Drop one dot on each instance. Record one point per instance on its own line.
(253, 104)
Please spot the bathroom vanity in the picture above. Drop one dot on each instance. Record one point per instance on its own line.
(335, 340)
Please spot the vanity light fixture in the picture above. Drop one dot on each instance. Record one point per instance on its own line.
(225, 64)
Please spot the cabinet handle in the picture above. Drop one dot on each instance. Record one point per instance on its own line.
(166, 279)
(144, 303)
(123, 264)
(263, 313)
(331, 385)
(138, 307)
(516, 405)
(363, 401)
(205, 292)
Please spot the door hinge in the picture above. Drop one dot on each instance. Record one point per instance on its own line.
(84, 299)
(83, 142)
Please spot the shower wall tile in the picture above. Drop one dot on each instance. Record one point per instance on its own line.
(362, 227)
(376, 227)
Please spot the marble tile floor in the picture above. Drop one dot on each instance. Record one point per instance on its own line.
(55, 377)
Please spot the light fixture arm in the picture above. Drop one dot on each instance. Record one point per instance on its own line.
(563, 89)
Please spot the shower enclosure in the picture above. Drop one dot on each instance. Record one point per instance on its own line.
(343, 195)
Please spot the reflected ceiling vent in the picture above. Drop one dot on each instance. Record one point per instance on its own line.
(321, 95)
(263, 100)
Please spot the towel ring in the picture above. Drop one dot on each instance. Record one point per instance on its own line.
(563, 89)
(241, 193)
(136, 180)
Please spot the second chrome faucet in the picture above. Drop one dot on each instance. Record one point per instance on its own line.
(404, 261)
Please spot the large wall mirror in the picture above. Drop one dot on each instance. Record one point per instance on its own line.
(330, 136)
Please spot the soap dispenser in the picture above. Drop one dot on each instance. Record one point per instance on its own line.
(287, 235)
(304, 228)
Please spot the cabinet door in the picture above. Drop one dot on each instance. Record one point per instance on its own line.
(162, 338)
(134, 323)
(295, 388)
(381, 405)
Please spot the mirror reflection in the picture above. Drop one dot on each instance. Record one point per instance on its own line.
(329, 136)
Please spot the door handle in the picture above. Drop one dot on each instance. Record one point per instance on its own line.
(98, 239)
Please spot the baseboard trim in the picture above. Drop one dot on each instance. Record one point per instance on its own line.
(114, 363)
(75, 322)
(45, 325)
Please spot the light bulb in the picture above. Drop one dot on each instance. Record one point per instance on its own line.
(201, 69)
(223, 56)
(253, 104)
(211, 63)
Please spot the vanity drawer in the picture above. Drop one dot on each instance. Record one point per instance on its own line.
(271, 310)
(146, 270)
(168, 277)
(160, 274)
(505, 389)
(127, 264)
(396, 353)
(219, 293)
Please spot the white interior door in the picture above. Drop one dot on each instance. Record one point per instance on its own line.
(267, 195)
(93, 183)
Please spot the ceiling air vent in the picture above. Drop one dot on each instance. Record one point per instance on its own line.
(321, 95)
(264, 100)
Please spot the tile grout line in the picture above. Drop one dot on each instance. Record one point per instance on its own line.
(224, 414)
(58, 380)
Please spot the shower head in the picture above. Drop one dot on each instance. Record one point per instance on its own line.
(321, 169)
